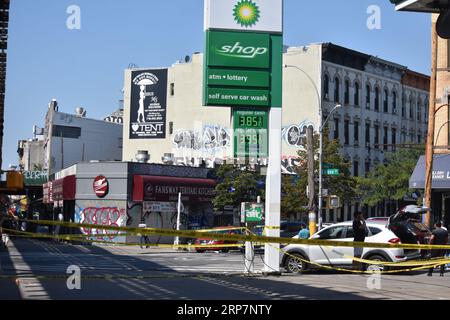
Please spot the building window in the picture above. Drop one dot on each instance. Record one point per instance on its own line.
(394, 139)
(66, 132)
(377, 136)
(419, 112)
(347, 132)
(172, 89)
(426, 109)
(386, 101)
(326, 87)
(394, 102)
(367, 135)
(356, 133)
(368, 96)
(403, 137)
(411, 110)
(347, 92)
(419, 138)
(367, 167)
(404, 107)
(385, 139)
(355, 168)
(336, 90)
(356, 98)
(336, 129)
(377, 99)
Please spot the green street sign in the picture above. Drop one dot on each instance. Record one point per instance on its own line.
(237, 78)
(238, 49)
(237, 97)
(251, 134)
(331, 172)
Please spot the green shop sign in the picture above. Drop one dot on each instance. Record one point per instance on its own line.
(35, 178)
(252, 212)
(237, 78)
(237, 97)
(238, 49)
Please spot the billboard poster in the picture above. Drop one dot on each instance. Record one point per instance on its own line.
(148, 106)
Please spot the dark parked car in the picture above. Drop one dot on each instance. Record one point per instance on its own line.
(290, 229)
(407, 225)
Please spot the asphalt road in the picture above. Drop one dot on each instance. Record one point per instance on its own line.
(37, 270)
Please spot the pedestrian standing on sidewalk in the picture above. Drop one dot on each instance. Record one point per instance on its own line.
(439, 237)
(359, 229)
(304, 232)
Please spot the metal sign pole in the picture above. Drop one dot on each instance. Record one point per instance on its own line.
(177, 239)
(273, 193)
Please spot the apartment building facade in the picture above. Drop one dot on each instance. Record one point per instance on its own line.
(384, 104)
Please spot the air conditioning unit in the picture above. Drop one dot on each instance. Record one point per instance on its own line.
(326, 96)
(394, 111)
(368, 105)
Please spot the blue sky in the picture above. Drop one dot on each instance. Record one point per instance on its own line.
(85, 67)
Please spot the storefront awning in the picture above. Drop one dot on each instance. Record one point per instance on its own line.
(441, 173)
(64, 189)
(155, 188)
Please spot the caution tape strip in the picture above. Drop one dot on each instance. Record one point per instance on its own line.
(420, 265)
(243, 238)
(85, 238)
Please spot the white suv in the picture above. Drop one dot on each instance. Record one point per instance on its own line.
(342, 256)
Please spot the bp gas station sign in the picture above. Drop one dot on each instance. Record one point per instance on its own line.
(243, 70)
(243, 66)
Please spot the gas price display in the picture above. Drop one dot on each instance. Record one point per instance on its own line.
(251, 133)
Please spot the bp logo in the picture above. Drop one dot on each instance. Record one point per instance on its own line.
(246, 13)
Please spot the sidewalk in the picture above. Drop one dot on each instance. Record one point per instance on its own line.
(8, 287)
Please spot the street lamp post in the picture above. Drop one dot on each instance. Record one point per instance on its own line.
(321, 162)
(321, 127)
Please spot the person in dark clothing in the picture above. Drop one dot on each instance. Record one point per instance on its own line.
(439, 237)
(359, 230)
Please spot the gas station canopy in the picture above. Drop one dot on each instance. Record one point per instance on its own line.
(431, 6)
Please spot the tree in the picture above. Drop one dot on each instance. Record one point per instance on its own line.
(390, 180)
(237, 185)
(295, 200)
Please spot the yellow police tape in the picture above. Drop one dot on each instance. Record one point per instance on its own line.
(243, 238)
(422, 265)
(86, 239)
(195, 234)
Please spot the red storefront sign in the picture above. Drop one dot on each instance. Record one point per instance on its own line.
(155, 188)
(101, 186)
(64, 189)
(48, 193)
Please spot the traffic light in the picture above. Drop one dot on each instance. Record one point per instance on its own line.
(14, 180)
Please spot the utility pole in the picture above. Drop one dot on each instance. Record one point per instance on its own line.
(311, 187)
(431, 123)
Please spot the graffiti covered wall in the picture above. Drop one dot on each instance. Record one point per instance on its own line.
(102, 213)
